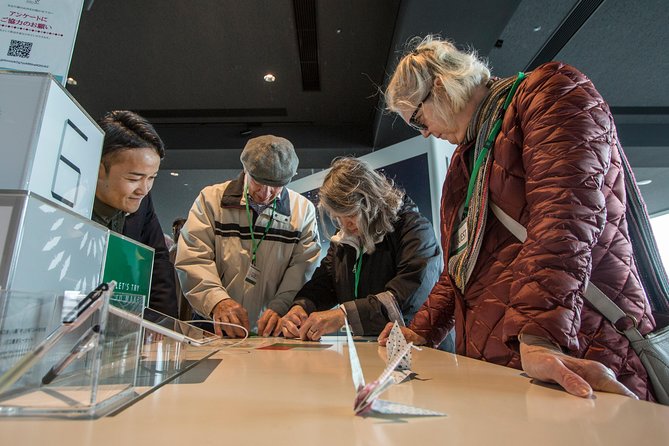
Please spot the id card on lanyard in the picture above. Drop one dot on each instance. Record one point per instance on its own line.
(461, 237)
(253, 273)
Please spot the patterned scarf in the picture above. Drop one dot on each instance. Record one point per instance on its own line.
(485, 121)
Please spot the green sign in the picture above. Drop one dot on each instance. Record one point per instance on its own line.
(130, 264)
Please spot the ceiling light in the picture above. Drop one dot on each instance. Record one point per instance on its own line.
(536, 28)
(269, 77)
(174, 174)
(643, 182)
(71, 81)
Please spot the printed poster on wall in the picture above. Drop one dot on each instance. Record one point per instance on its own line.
(39, 35)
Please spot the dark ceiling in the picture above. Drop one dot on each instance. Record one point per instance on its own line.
(195, 69)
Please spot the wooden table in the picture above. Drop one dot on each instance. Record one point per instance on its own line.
(304, 396)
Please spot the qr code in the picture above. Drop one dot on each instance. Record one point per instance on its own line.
(18, 48)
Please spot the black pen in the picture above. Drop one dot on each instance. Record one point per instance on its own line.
(85, 343)
(87, 306)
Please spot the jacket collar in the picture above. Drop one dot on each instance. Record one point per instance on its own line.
(233, 197)
(340, 238)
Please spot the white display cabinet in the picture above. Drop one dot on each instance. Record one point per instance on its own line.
(50, 145)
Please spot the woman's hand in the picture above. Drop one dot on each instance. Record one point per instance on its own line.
(320, 323)
(577, 376)
(291, 322)
(409, 335)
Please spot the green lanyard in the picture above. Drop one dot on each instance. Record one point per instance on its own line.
(251, 226)
(356, 272)
(489, 142)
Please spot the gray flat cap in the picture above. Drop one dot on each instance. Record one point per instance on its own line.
(270, 160)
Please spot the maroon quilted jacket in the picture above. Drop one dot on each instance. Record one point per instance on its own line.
(558, 172)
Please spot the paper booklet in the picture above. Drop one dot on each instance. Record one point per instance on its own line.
(398, 369)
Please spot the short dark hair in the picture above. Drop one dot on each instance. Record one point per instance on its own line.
(177, 224)
(128, 130)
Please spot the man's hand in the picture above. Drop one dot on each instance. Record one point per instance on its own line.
(231, 312)
(321, 322)
(409, 335)
(269, 324)
(577, 376)
(291, 322)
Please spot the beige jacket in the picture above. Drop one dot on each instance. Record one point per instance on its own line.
(214, 251)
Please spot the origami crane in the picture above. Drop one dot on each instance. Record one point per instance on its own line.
(366, 398)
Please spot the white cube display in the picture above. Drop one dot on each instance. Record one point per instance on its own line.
(47, 247)
(49, 144)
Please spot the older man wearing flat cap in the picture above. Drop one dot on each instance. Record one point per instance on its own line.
(249, 244)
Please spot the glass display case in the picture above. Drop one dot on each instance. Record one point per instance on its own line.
(57, 359)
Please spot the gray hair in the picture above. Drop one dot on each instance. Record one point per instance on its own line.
(430, 59)
(352, 187)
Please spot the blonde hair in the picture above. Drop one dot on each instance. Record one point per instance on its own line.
(430, 59)
(352, 187)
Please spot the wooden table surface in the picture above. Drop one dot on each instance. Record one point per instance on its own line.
(304, 396)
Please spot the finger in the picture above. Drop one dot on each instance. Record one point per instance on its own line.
(385, 333)
(235, 332)
(262, 322)
(243, 317)
(602, 378)
(217, 327)
(314, 332)
(227, 329)
(271, 323)
(290, 330)
(614, 386)
(302, 315)
(306, 328)
(412, 336)
(277, 328)
(570, 381)
(296, 319)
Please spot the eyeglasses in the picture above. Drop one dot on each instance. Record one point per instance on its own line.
(413, 120)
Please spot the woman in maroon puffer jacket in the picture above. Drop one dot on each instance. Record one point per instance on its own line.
(551, 163)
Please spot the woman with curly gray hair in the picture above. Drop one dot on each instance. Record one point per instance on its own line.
(381, 264)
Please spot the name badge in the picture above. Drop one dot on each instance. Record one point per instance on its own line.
(253, 274)
(461, 237)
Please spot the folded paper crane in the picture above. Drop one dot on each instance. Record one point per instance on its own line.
(366, 398)
(395, 346)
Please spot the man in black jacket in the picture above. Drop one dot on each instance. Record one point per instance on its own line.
(131, 156)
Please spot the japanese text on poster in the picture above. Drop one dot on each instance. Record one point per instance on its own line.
(38, 35)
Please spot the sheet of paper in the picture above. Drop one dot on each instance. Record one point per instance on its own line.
(356, 369)
(395, 345)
